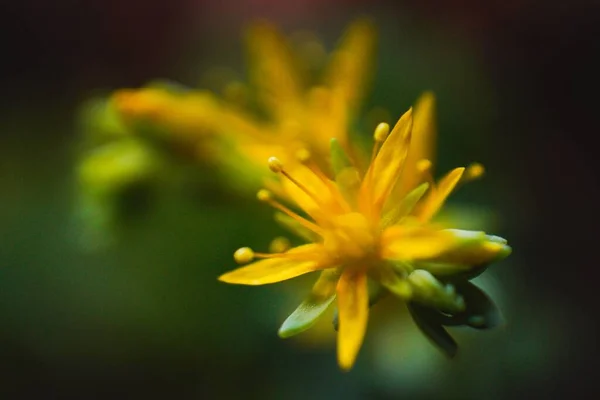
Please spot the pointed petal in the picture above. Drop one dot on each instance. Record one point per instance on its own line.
(414, 243)
(422, 143)
(405, 206)
(320, 190)
(436, 198)
(272, 68)
(472, 248)
(307, 313)
(298, 261)
(353, 307)
(349, 70)
(387, 167)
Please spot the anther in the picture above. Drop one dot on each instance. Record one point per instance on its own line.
(243, 255)
(424, 165)
(474, 171)
(303, 155)
(381, 132)
(275, 164)
(264, 195)
(279, 245)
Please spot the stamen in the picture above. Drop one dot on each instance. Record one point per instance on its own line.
(266, 197)
(279, 245)
(304, 157)
(276, 166)
(243, 255)
(424, 167)
(473, 171)
(381, 133)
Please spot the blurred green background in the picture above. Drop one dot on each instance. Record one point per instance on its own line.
(145, 316)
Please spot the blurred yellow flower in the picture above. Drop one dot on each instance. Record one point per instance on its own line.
(298, 111)
(369, 228)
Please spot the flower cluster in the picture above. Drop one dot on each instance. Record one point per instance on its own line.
(368, 224)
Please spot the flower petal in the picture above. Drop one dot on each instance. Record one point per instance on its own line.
(414, 243)
(349, 69)
(473, 248)
(405, 207)
(273, 69)
(353, 307)
(422, 143)
(307, 313)
(438, 195)
(298, 261)
(386, 167)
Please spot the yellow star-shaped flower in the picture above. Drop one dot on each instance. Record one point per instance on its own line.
(367, 228)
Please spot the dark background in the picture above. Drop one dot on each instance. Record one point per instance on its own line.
(538, 62)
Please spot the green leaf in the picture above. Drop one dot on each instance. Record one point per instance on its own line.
(425, 318)
(305, 315)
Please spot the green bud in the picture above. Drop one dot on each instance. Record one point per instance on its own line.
(429, 291)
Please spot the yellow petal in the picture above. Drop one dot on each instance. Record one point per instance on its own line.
(349, 70)
(320, 191)
(353, 308)
(438, 195)
(387, 167)
(414, 243)
(298, 261)
(272, 68)
(422, 143)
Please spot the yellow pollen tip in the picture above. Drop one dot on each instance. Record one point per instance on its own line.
(264, 195)
(275, 164)
(303, 155)
(381, 132)
(243, 255)
(424, 165)
(279, 245)
(474, 171)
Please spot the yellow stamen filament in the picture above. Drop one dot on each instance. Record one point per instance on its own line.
(266, 197)
(304, 156)
(276, 166)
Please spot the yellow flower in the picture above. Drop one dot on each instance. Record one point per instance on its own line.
(295, 110)
(362, 230)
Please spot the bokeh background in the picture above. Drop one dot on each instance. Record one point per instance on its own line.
(145, 316)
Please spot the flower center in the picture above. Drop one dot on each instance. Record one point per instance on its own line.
(351, 238)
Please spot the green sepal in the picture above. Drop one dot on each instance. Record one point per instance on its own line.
(481, 312)
(429, 291)
(426, 320)
(305, 315)
(339, 158)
